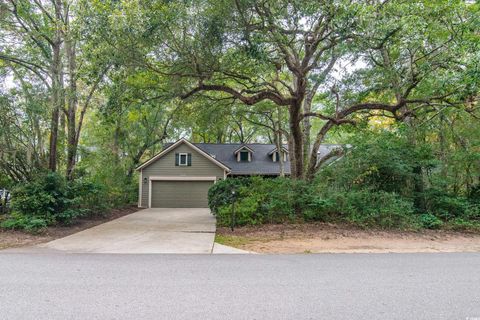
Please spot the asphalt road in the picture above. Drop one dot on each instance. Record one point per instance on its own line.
(326, 286)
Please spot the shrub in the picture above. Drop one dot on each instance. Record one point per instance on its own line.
(89, 196)
(264, 200)
(49, 198)
(43, 196)
(444, 205)
(257, 200)
(320, 209)
(279, 197)
(460, 224)
(369, 208)
(380, 161)
(21, 222)
(68, 216)
(429, 221)
(220, 194)
(246, 212)
(474, 194)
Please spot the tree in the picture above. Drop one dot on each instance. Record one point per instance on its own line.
(31, 34)
(41, 39)
(285, 52)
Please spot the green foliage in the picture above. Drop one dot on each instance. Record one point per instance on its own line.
(444, 205)
(474, 194)
(50, 199)
(43, 196)
(380, 182)
(382, 161)
(5, 182)
(108, 174)
(220, 194)
(425, 51)
(429, 221)
(460, 224)
(264, 200)
(369, 208)
(21, 222)
(257, 200)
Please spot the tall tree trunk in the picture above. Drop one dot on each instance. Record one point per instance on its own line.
(297, 142)
(72, 142)
(278, 141)
(56, 104)
(307, 127)
(295, 119)
(443, 147)
(57, 87)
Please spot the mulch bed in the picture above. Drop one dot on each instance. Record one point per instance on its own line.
(15, 238)
(295, 230)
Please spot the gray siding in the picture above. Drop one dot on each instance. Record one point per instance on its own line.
(165, 166)
(180, 194)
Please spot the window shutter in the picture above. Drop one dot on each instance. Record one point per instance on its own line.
(177, 159)
(189, 160)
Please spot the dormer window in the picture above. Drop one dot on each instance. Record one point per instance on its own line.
(243, 154)
(276, 155)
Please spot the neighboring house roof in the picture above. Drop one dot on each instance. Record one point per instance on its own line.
(169, 147)
(224, 155)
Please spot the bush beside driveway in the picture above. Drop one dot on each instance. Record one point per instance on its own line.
(18, 238)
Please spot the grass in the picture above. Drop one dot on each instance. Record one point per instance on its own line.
(232, 241)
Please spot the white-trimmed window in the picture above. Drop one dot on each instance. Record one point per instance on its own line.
(244, 155)
(183, 159)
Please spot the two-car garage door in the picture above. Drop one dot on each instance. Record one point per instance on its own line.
(180, 194)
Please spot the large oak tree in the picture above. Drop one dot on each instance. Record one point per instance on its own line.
(388, 58)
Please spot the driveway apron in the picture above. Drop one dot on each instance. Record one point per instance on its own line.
(155, 230)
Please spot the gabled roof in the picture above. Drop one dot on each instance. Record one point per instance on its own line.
(223, 154)
(260, 164)
(172, 146)
(243, 146)
(275, 150)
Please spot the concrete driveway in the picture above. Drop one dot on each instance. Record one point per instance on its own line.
(155, 230)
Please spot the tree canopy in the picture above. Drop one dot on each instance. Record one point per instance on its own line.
(84, 82)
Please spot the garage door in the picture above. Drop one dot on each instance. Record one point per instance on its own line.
(180, 194)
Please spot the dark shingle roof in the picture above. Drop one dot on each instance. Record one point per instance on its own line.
(261, 163)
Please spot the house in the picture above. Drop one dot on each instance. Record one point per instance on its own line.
(180, 175)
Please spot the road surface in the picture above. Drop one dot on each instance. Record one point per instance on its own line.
(324, 286)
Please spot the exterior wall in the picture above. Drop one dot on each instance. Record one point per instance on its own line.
(165, 166)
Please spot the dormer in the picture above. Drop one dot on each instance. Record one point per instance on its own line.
(275, 155)
(243, 154)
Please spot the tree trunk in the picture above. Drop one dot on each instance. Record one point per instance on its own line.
(443, 147)
(295, 119)
(72, 142)
(307, 127)
(297, 142)
(278, 141)
(57, 87)
(56, 104)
